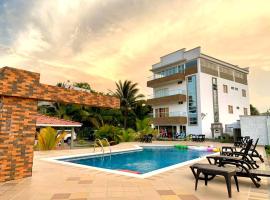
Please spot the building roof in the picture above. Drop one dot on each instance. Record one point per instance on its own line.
(184, 55)
(44, 121)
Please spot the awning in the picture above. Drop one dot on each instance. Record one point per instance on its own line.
(45, 121)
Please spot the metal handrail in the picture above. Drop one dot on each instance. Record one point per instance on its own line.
(108, 144)
(102, 148)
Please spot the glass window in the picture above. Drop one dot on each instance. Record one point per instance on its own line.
(215, 99)
(225, 88)
(192, 63)
(244, 93)
(161, 112)
(230, 109)
(192, 100)
(245, 111)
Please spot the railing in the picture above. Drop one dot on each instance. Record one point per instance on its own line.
(157, 76)
(109, 145)
(171, 114)
(101, 145)
(164, 93)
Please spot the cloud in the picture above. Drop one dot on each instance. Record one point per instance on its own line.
(120, 39)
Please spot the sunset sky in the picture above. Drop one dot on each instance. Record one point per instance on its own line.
(102, 41)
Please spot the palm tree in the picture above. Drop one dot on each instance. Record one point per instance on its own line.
(127, 92)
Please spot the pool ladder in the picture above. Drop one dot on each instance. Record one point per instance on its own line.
(100, 143)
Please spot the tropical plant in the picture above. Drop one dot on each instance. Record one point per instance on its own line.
(254, 110)
(128, 93)
(110, 132)
(48, 138)
(83, 85)
(144, 127)
(128, 135)
(267, 149)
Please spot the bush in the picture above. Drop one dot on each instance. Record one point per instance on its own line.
(144, 128)
(267, 149)
(226, 138)
(128, 135)
(112, 133)
(48, 138)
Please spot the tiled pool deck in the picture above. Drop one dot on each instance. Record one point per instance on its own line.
(52, 181)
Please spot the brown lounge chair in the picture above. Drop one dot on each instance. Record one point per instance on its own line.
(235, 156)
(214, 170)
(253, 153)
(245, 168)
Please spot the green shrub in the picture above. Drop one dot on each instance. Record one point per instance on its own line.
(226, 138)
(48, 138)
(110, 132)
(144, 128)
(267, 149)
(128, 135)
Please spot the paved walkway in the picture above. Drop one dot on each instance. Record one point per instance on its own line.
(52, 181)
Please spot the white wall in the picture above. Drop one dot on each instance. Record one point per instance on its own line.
(256, 127)
(233, 98)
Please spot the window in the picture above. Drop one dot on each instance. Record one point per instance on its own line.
(236, 89)
(161, 92)
(192, 100)
(161, 112)
(230, 109)
(244, 93)
(215, 99)
(245, 111)
(180, 68)
(225, 88)
(238, 75)
(232, 88)
(192, 63)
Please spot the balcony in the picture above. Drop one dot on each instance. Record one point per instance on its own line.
(166, 97)
(158, 80)
(170, 118)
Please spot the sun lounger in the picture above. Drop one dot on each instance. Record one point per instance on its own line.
(241, 141)
(236, 156)
(230, 151)
(245, 167)
(213, 170)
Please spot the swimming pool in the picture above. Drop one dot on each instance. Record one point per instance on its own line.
(142, 162)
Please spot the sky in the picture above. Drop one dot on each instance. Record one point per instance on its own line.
(101, 42)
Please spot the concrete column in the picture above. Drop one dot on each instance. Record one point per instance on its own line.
(268, 128)
(72, 137)
(177, 128)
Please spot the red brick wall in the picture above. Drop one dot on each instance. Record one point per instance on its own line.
(21, 83)
(20, 91)
(17, 130)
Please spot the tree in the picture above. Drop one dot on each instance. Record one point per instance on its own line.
(253, 110)
(83, 85)
(128, 93)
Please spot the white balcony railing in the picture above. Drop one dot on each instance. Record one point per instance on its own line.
(167, 73)
(165, 93)
(171, 114)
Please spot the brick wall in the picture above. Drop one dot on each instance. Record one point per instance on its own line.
(17, 131)
(20, 91)
(21, 83)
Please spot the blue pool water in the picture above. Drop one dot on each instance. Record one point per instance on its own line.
(140, 161)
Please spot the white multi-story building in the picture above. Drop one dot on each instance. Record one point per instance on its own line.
(196, 93)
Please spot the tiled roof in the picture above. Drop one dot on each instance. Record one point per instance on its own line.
(43, 120)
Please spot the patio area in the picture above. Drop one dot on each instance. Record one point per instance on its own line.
(53, 181)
